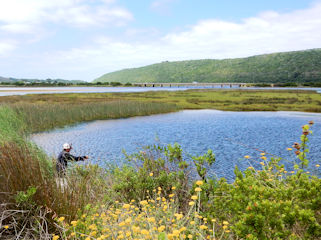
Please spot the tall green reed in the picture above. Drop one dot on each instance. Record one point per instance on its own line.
(45, 116)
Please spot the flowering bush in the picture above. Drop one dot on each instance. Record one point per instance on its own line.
(157, 217)
(271, 202)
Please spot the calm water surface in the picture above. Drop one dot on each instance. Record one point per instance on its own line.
(7, 91)
(231, 135)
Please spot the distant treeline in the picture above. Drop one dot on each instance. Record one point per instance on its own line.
(118, 84)
(61, 84)
(299, 67)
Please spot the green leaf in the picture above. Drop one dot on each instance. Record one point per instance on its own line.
(162, 236)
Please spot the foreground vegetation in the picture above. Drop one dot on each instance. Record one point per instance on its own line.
(161, 193)
(287, 67)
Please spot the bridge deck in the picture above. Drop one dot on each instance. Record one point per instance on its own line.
(190, 84)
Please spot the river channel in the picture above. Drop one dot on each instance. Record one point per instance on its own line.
(231, 136)
(9, 91)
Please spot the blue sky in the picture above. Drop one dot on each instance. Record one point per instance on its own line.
(83, 39)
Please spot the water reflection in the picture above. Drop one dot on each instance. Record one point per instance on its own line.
(231, 135)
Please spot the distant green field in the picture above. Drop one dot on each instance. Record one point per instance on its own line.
(287, 67)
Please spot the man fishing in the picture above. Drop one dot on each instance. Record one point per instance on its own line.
(63, 159)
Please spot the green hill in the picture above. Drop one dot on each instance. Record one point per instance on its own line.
(286, 67)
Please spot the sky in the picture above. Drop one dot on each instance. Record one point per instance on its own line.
(84, 39)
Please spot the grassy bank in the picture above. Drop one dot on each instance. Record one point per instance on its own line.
(230, 100)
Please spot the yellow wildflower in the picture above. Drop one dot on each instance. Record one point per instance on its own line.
(151, 174)
(199, 183)
(191, 203)
(198, 189)
(203, 227)
(128, 220)
(176, 233)
(120, 236)
(126, 206)
(247, 156)
(194, 197)
(145, 232)
(55, 237)
(144, 202)
(74, 223)
(161, 228)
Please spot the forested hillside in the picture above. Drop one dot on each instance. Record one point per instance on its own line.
(286, 67)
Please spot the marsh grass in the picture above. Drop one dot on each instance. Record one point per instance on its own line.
(45, 116)
(230, 99)
(30, 196)
(21, 169)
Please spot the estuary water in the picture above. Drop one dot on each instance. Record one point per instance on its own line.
(231, 136)
(9, 91)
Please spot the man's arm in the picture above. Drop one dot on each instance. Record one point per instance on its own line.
(70, 157)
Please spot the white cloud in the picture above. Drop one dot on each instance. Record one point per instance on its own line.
(6, 46)
(267, 32)
(162, 6)
(20, 15)
(27, 21)
(17, 28)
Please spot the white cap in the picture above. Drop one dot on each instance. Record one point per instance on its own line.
(66, 146)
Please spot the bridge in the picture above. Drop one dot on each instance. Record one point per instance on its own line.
(221, 85)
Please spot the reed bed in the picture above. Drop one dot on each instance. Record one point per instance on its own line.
(228, 100)
(45, 116)
(31, 195)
